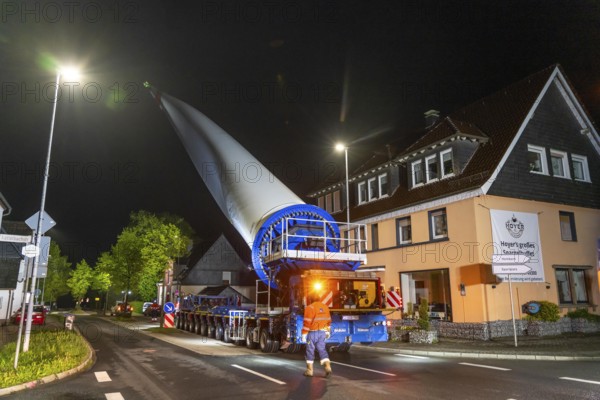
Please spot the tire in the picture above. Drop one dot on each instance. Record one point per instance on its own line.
(203, 329)
(250, 343)
(226, 335)
(177, 322)
(197, 327)
(192, 324)
(211, 331)
(275, 346)
(293, 348)
(219, 332)
(265, 342)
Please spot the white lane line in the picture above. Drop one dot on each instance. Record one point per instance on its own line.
(114, 396)
(579, 380)
(364, 369)
(485, 366)
(411, 356)
(102, 376)
(259, 374)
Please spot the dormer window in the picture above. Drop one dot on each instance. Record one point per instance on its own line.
(373, 192)
(432, 168)
(447, 163)
(383, 185)
(417, 173)
(362, 192)
(560, 165)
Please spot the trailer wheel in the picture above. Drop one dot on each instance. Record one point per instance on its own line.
(197, 327)
(177, 321)
(226, 335)
(219, 332)
(192, 324)
(250, 343)
(203, 329)
(275, 346)
(293, 348)
(211, 331)
(265, 342)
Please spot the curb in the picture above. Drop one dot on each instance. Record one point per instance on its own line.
(494, 356)
(87, 363)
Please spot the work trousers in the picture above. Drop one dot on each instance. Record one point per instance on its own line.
(316, 340)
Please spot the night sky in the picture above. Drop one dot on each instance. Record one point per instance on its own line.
(286, 79)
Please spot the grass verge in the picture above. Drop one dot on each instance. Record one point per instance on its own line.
(50, 352)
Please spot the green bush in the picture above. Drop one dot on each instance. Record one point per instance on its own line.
(583, 313)
(137, 306)
(549, 312)
(50, 352)
(423, 320)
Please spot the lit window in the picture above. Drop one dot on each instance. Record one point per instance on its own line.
(581, 171)
(447, 163)
(567, 226)
(362, 192)
(432, 168)
(417, 173)
(536, 157)
(438, 224)
(404, 233)
(572, 285)
(383, 185)
(373, 189)
(560, 166)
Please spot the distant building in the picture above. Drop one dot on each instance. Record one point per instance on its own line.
(219, 265)
(516, 174)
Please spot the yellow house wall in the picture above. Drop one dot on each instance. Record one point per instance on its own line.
(467, 255)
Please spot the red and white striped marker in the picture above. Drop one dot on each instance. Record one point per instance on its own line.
(327, 299)
(393, 299)
(169, 320)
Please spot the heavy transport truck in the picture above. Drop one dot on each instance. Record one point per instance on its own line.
(296, 248)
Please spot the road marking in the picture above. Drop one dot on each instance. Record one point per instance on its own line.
(364, 369)
(259, 374)
(102, 376)
(114, 396)
(579, 380)
(411, 356)
(485, 366)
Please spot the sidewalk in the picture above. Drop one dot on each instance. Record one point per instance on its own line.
(573, 346)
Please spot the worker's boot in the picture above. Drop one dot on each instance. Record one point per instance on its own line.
(327, 365)
(309, 369)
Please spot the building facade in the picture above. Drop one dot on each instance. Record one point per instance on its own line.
(508, 181)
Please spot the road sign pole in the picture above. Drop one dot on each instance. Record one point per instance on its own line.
(512, 309)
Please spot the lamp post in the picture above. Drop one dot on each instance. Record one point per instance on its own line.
(340, 147)
(69, 73)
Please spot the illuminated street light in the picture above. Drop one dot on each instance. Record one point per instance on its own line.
(69, 74)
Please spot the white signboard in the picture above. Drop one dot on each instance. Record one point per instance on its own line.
(516, 240)
(14, 238)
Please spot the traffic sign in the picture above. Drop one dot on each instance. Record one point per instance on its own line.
(47, 223)
(169, 307)
(14, 238)
(510, 269)
(31, 250)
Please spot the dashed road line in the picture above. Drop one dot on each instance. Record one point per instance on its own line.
(364, 369)
(485, 366)
(114, 396)
(102, 376)
(411, 356)
(579, 380)
(259, 374)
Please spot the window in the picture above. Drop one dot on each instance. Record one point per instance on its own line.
(373, 194)
(383, 185)
(536, 157)
(374, 237)
(321, 202)
(226, 277)
(417, 173)
(337, 201)
(432, 168)
(567, 226)
(560, 166)
(403, 229)
(438, 226)
(362, 192)
(447, 163)
(328, 202)
(581, 171)
(433, 285)
(572, 285)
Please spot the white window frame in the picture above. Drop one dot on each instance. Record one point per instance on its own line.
(359, 187)
(542, 153)
(379, 179)
(427, 160)
(444, 174)
(565, 163)
(371, 196)
(584, 165)
(401, 239)
(433, 216)
(412, 170)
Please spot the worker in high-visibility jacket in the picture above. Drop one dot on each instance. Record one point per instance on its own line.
(316, 329)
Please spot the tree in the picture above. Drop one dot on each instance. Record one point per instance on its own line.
(80, 281)
(59, 269)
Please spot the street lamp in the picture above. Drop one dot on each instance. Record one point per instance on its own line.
(70, 74)
(342, 147)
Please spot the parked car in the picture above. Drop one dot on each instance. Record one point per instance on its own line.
(153, 310)
(121, 309)
(145, 306)
(37, 318)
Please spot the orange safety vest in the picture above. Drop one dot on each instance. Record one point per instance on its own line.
(316, 318)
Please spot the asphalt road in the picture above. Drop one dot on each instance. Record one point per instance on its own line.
(132, 365)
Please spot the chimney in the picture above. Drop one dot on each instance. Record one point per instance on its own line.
(431, 118)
